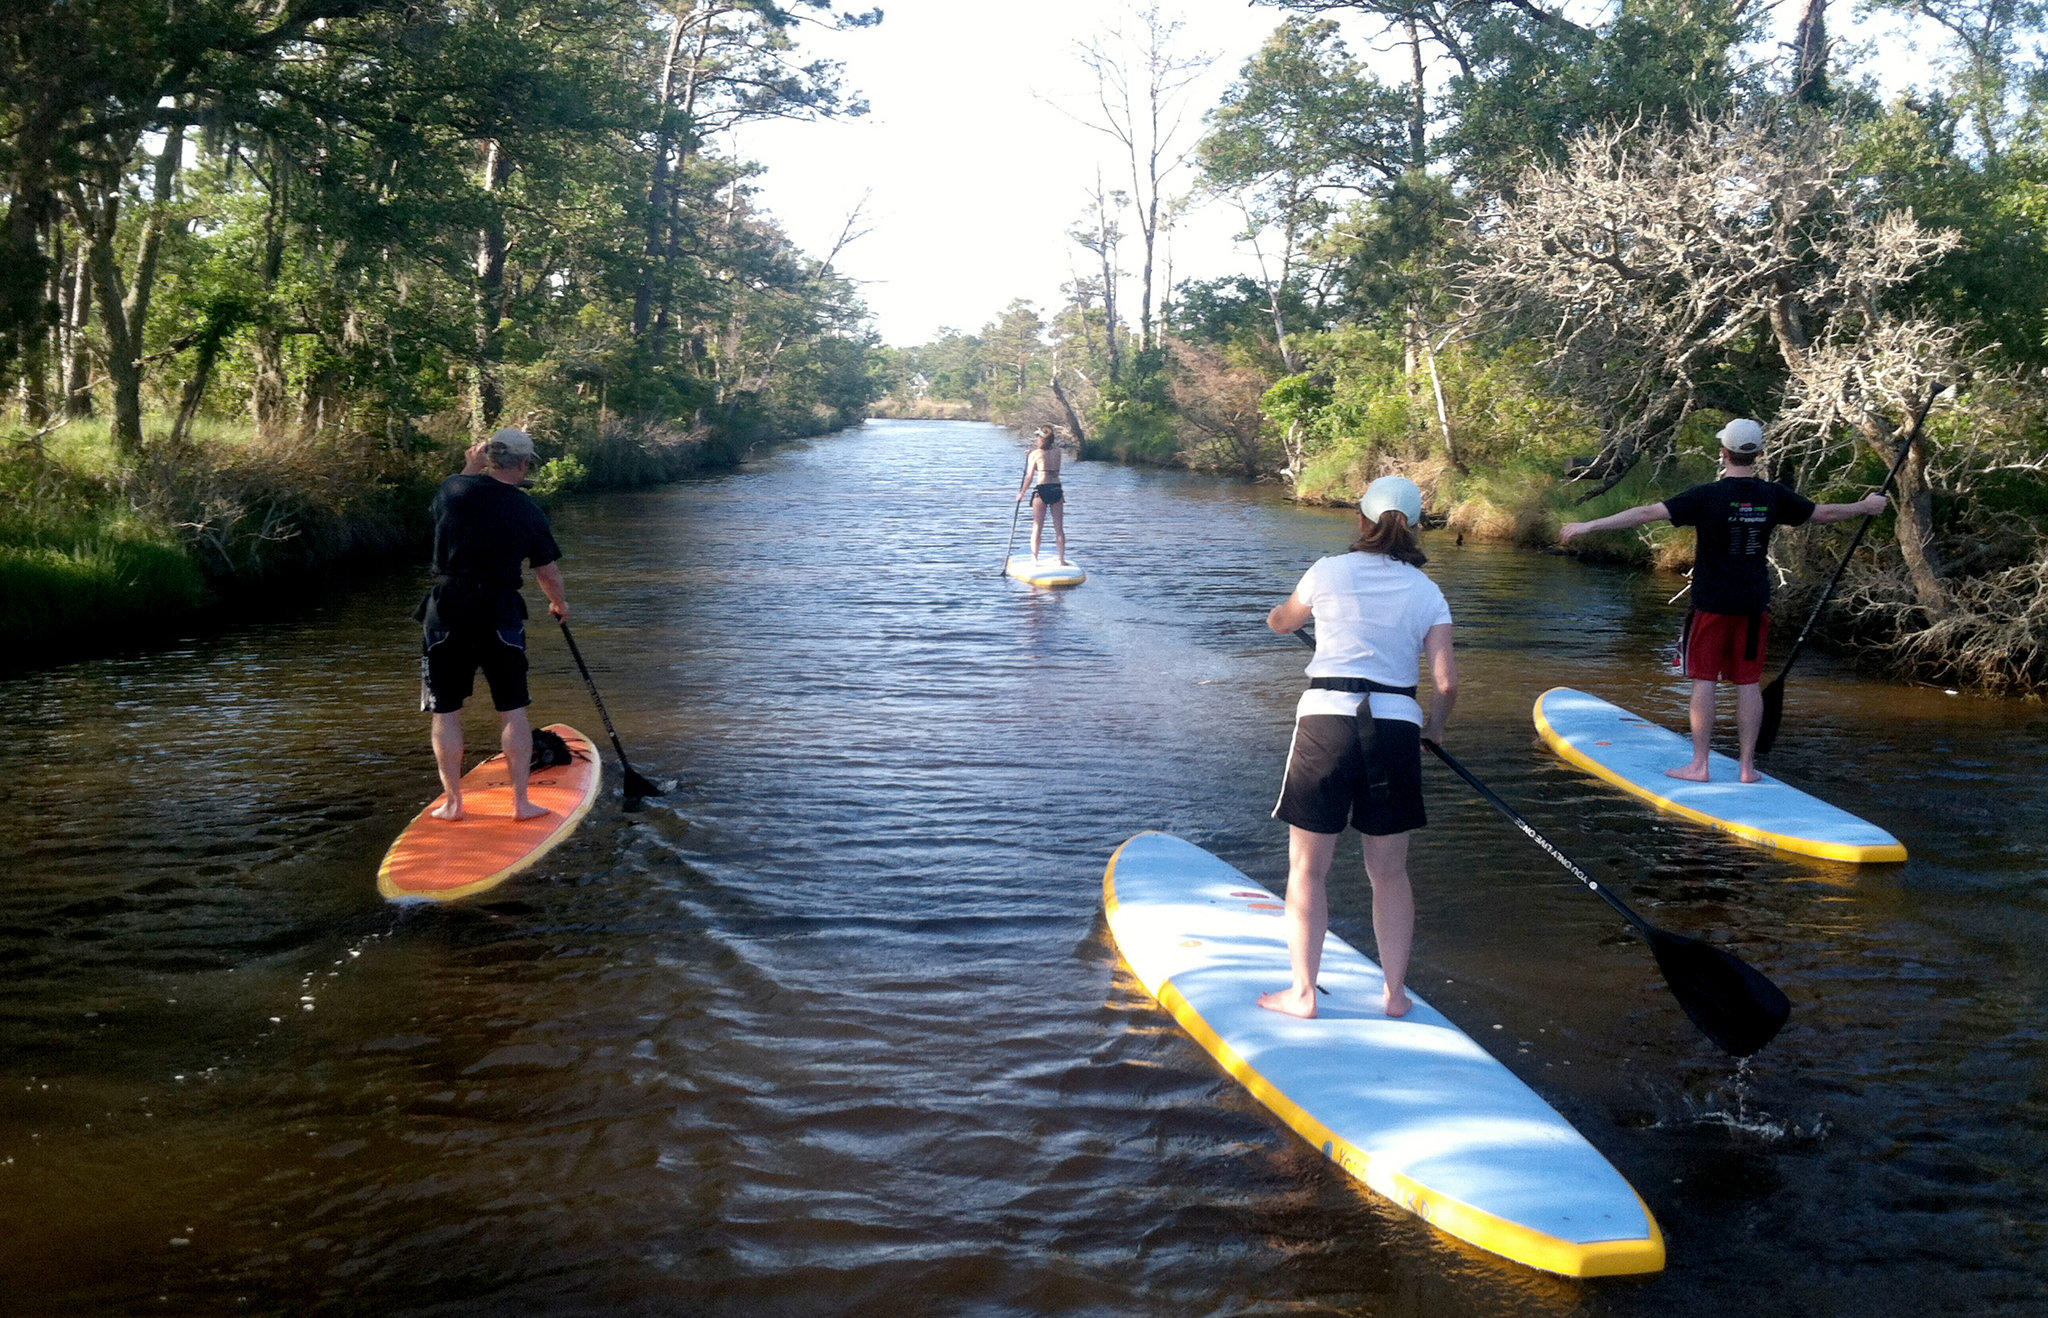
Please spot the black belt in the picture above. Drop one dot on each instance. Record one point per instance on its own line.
(1358, 686)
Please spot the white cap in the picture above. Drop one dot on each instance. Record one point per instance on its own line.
(1392, 494)
(516, 443)
(1741, 435)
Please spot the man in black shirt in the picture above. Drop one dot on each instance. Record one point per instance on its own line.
(474, 617)
(1730, 622)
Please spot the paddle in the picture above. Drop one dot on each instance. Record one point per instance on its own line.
(1774, 694)
(1731, 1001)
(635, 784)
(1015, 510)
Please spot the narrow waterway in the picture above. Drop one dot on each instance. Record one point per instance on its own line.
(834, 1027)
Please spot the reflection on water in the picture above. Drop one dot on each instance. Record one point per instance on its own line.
(834, 1027)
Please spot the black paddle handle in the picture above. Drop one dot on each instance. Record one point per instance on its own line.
(1515, 817)
(1898, 465)
(595, 698)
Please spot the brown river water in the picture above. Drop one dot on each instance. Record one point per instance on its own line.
(835, 1028)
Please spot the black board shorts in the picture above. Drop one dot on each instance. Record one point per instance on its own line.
(1332, 780)
(449, 660)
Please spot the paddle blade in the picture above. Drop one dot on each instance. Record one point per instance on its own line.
(1774, 714)
(637, 785)
(1730, 1000)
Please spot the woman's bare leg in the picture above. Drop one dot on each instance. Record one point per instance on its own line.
(1059, 527)
(1037, 523)
(1308, 919)
(1393, 913)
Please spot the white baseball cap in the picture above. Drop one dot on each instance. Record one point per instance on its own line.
(1392, 494)
(1741, 435)
(517, 443)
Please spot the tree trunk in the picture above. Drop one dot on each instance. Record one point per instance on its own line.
(24, 269)
(657, 186)
(1443, 414)
(1810, 55)
(78, 346)
(268, 390)
(1073, 417)
(210, 341)
(1418, 106)
(488, 401)
(97, 222)
(1914, 511)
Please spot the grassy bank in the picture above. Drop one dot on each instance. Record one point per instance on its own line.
(99, 554)
(927, 409)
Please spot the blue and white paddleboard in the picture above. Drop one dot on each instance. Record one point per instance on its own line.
(1632, 753)
(1044, 571)
(1412, 1107)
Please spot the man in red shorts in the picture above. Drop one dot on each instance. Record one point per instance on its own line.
(1730, 622)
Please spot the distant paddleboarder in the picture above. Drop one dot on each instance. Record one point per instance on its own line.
(1729, 627)
(1042, 468)
(474, 617)
(1356, 757)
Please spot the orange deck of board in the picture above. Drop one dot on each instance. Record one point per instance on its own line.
(438, 857)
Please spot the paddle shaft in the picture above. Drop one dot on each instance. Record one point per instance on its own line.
(635, 783)
(1016, 510)
(1514, 816)
(1898, 465)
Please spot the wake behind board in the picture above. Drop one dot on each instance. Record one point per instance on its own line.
(1043, 571)
(1632, 753)
(1412, 1107)
(442, 859)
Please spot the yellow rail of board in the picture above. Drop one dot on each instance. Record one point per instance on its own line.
(1496, 1235)
(1805, 846)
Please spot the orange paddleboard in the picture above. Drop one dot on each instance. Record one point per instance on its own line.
(442, 859)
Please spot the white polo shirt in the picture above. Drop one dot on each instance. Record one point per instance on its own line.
(1372, 613)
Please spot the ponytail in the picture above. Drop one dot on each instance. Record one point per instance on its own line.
(1393, 536)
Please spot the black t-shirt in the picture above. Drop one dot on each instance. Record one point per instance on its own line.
(1734, 517)
(483, 530)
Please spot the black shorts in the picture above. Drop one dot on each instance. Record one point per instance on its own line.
(449, 660)
(1331, 780)
(1050, 492)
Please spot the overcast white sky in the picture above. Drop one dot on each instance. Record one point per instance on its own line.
(976, 174)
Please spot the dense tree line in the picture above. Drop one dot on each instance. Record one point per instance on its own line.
(357, 216)
(265, 263)
(1542, 263)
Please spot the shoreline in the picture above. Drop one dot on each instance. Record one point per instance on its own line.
(123, 586)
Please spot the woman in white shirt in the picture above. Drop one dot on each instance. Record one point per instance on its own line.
(1356, 757)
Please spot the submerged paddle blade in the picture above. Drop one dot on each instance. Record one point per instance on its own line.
(1774, 714)
(1730, 1000)
(637, 785)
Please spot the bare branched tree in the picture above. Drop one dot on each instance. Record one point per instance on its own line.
(1140, 103)
(1728, 265)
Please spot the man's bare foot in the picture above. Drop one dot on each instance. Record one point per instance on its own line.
(1398, 1002)
(528, 811)
(1692, 773)
(1750, 775)
(447, 810)
(1288, 1002)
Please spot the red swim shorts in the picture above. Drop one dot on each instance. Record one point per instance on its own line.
(1720, 647)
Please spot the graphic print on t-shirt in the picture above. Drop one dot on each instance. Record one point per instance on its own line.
(1734, 517)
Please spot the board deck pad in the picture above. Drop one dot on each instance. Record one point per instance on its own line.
(1412, 1107)
(443, 859)
(1632, 753)
(1044, 571)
